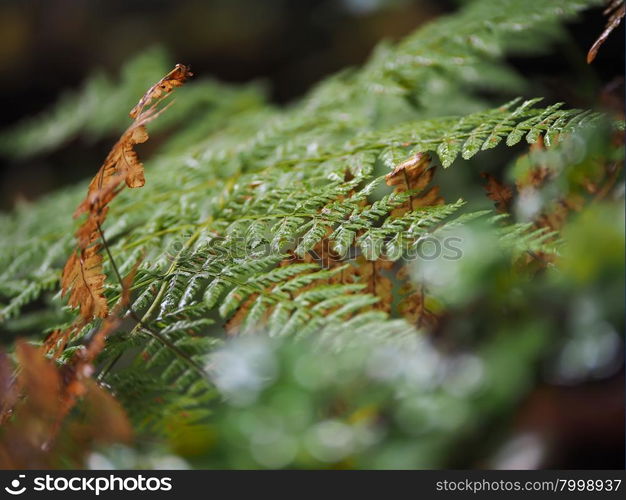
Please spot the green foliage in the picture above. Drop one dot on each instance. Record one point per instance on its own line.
(231, 227)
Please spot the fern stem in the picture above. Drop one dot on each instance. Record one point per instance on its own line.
(141, 321)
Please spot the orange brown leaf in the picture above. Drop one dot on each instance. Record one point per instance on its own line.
(615, 12)
(415, 175)
(413, 302)
(83, 280)
(498, 192)
(165, 85)
(38, 403)
(82, 277)
(414, 169)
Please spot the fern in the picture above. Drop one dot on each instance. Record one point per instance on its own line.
(255, 220)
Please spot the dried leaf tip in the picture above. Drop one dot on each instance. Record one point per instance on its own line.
(164, 86)
(417, 164)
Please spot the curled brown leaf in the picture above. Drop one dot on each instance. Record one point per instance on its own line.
(164, 86)
(415, 174)
(83, 279)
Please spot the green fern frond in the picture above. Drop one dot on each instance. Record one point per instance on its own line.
(258, 220)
